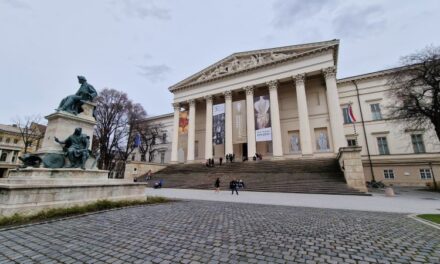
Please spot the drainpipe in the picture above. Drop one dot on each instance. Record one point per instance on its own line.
(365, 132)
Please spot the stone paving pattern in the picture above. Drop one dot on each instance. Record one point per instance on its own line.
(216, 232)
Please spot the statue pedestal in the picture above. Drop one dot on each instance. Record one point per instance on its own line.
(62, 124)
(28, 191)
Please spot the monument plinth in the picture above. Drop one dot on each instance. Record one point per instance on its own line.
(61, 124)
(69, 176)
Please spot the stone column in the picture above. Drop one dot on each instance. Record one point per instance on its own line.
(275, 120)
(208, 129)
(303, 115)
(251, 144)
(228, 123)
(191, 130)
(334, 109)
(175, 143)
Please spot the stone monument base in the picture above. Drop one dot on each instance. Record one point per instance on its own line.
(29, 191)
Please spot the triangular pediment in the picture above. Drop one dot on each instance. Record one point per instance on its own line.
(249, 60)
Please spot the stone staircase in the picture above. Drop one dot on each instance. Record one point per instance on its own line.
(319, 176)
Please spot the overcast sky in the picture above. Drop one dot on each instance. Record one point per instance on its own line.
(142, 47)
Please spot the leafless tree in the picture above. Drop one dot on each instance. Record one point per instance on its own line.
(115, 115)
(415, 89)
(151, 136)
(30, 130)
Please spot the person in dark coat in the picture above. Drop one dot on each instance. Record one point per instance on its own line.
(221, 160)
(233, 186)
(217, 185)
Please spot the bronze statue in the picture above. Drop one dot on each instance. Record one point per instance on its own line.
(73, 103)
(76, 148)
(30, 160)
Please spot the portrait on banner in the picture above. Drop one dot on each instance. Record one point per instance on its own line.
(263, 130)
(218, 124)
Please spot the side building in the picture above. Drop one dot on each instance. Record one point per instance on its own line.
(286, 103)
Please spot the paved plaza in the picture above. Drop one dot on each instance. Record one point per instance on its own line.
(407, 200)
(219, 232)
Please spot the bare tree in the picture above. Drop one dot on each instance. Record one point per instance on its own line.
(115, 115)
(415, 89)
(151, 135)
(30, 130)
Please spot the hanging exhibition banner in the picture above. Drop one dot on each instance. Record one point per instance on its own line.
(239, 122)
(263, 130)
(218, 124)
(183, 122)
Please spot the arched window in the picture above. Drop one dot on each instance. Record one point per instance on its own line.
(3, 157)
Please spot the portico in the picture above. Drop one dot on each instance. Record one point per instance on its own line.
(297, 114)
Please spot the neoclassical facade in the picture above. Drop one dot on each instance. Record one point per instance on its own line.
(286, 103)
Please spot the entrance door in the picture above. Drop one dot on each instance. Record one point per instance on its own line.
(245, 150)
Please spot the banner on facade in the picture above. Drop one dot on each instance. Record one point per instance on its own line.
(183, 122)
(239, 133)
(218, 124)
(263, 130)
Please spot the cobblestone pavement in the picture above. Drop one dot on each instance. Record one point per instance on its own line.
(215, 232)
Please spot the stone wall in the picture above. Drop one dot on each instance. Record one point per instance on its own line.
(351, 164)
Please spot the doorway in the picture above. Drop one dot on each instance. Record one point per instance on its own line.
(244, 150)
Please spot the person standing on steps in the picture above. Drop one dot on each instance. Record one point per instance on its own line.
(217, 185)
(233, 186)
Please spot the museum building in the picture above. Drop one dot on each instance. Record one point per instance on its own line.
(286, 103)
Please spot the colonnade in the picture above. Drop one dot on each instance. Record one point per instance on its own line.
(334, 110)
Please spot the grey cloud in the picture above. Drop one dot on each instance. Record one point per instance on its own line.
(290, 12)
(356, 22)
(154, 73)
(143, 9)
(18, 4)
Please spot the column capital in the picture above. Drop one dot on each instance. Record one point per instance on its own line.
(228, 94)
(176, 106)
(273, 85)
(249, 90)
(299, 79)
(329, 72)
(191, 102)
(208, 98)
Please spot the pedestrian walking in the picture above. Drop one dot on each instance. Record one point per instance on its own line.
(233, 186)
(217, 185)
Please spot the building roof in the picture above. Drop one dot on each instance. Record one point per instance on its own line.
(9, 128)
(373, 74)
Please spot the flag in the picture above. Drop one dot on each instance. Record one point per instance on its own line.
(351, 115)
(137, 140)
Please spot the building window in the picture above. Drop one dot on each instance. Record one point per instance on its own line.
(383, 146)
(388, 174)
(351, 142)
(164, 138)
(8, 140)
(133, 157)
(15, 141)
(162, 157)
(3, 157)
(346, 114)
(417, 142)
(1, 139)
(425, 174)
(143, 157)
(375, 112)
